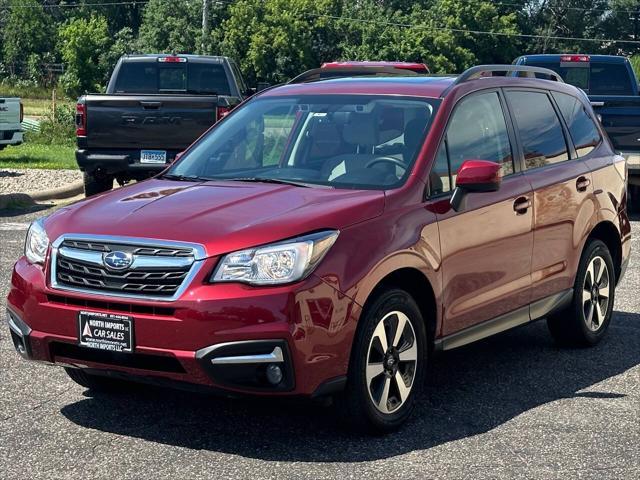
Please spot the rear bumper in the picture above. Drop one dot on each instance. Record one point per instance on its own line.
(11, 137)
(223, 337)
(120, 162)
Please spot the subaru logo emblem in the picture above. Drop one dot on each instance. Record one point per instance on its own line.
(117, 260)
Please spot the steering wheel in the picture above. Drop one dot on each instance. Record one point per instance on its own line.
(395, 161)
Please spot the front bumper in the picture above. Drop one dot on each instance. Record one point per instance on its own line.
(308, 327)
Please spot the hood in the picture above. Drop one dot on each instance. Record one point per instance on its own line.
(222, 216)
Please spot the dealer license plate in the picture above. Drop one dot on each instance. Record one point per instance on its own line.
(105, 331)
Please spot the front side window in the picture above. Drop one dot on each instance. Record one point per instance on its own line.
(582, 128)
(477, 131)
(540, 130)
(343, 141)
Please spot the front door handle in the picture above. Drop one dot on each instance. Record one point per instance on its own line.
(521, 205)
(582, 184)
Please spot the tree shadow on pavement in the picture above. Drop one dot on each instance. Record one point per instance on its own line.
(470, 391)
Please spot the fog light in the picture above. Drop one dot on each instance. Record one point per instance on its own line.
(274, 374)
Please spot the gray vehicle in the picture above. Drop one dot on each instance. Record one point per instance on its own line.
(155, 107)
(11, 114)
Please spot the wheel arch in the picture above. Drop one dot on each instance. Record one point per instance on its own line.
(417, 284)
(607, 233)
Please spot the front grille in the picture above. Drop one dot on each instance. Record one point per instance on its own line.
(157, 270)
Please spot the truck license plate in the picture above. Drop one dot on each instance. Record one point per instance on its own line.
(105, 331)
(153, 156)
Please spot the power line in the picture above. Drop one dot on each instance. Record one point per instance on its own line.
(76, 5)
(577, 9)
(474, 32)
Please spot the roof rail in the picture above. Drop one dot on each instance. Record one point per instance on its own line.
(480, 70)
(352, 71)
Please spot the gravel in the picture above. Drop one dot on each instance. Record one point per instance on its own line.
(35, 180)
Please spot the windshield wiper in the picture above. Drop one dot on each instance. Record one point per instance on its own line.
(182, 178)
(273, 180)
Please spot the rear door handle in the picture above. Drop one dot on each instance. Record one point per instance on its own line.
(521, 205)
(582, 184)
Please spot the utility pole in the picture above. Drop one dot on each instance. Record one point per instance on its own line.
(205, 26)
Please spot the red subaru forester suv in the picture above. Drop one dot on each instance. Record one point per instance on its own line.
(326, 237)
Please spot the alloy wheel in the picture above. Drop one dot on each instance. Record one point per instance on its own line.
(392, 360)
(595, 293)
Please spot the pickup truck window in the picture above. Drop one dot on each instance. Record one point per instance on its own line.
(541, 135)
(595, 78)
(336, 140)
(582, 128)
(189, 77)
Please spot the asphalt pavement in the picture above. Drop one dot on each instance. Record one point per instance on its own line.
(512, 406)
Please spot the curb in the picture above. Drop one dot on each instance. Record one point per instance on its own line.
(27, 199)
(57, 193)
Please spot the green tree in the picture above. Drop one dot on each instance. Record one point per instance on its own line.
(171, 26)
(275, 40)
(27, 31)
(82, 43)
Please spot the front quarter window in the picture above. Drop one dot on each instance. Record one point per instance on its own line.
(332, 140)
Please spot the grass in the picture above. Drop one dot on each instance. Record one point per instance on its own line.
(34, 155)
(39, 107)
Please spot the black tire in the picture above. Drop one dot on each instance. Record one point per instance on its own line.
(571, 326)
(359, 406)
(96, 383)
(94, 184)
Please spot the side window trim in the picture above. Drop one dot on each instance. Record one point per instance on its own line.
(568, 143)
(571, 147)
(516, 156)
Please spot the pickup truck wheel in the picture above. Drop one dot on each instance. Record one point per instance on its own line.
(388, 364)
(94, 184)
(95, 382)
(586, 320)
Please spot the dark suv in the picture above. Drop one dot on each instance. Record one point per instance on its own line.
(326, 236)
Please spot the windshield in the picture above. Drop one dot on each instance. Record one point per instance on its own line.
(595, 78)
(343, 141)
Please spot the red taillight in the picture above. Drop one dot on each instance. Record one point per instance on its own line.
(21, 112)
(81, 120)
(222, 112)
(172, 60)
(575, 58)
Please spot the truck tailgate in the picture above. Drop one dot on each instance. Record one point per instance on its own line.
(621, 119)
(164, 122)
(9, 111)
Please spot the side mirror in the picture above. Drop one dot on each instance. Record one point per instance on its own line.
(475, 176)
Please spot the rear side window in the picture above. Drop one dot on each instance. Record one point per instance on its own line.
(582, 128)
(541, 134)
(477, 131)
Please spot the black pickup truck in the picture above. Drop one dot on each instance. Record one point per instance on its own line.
(612, 88)
(155, 107)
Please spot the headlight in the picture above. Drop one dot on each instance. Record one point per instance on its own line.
(278, 263)
(35, 248)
